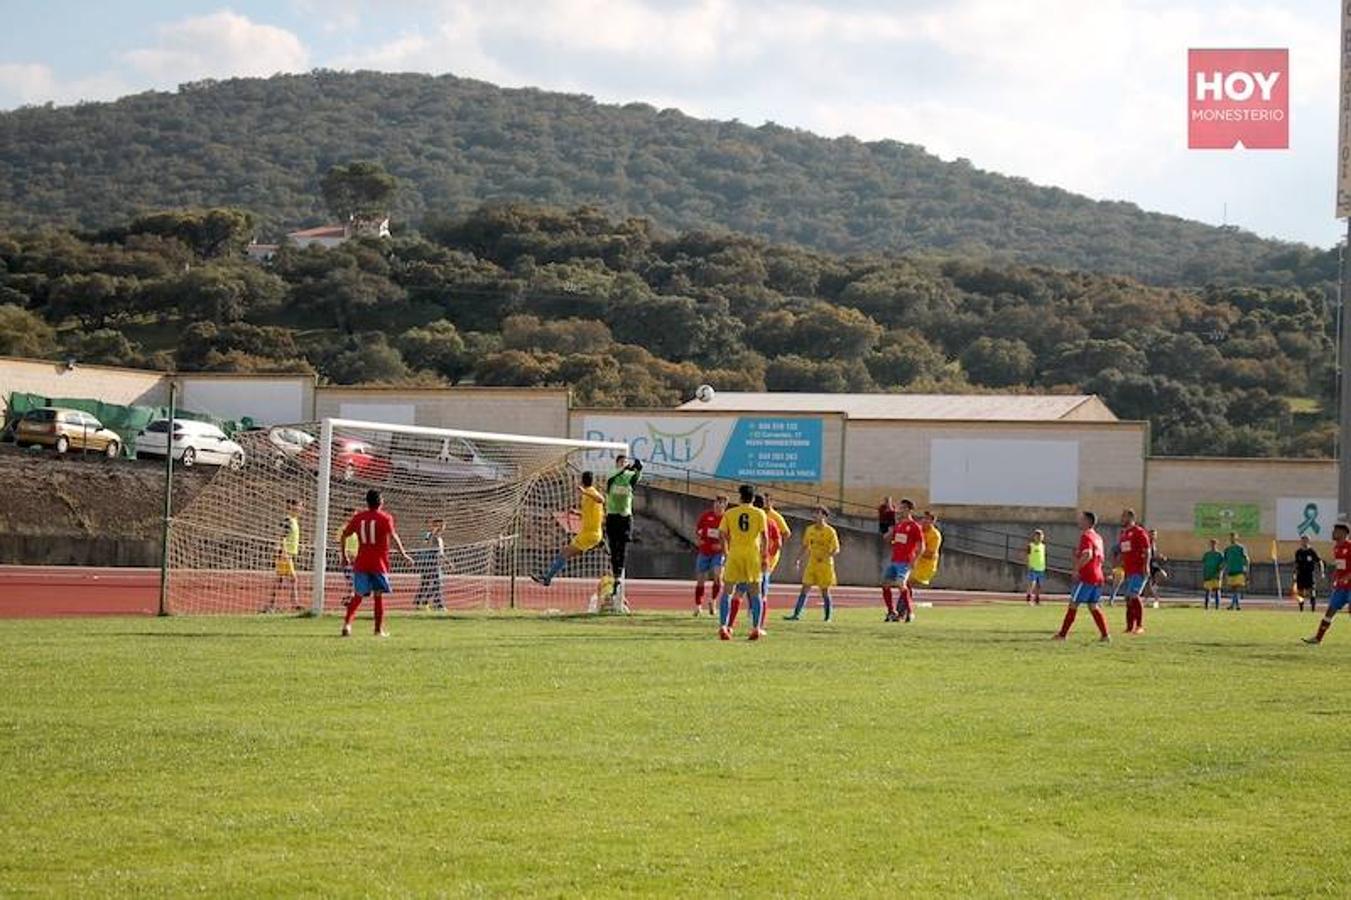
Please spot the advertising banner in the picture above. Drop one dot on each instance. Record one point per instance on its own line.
(751, 448)
(1218, 519)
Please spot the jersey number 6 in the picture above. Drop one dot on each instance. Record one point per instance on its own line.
(743, 522)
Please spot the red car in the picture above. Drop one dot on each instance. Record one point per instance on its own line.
(353, 459)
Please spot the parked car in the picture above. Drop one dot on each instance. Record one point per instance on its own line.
(66, 429)
(194, 442)
(456, 459)
(289, 443)
(352, 459)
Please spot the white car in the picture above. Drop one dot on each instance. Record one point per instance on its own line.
(194, 442)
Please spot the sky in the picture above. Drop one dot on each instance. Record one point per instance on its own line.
(1088, 95)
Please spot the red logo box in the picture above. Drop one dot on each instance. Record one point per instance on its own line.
(1238, 97)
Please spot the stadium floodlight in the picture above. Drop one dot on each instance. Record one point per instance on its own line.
(507, 502)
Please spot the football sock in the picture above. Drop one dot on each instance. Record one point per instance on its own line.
(557, 566)
(889, 601)
(1068, 622)
(717, 587)
(757, 606)
(724, 609)
(826, 602)
(736, 610)
(801, 603)
(1099, 619)
(353, 605)
(1323, 627)
(1140, 613)
(698, 595)
(908, 601)
(379, 613)
(764, 612)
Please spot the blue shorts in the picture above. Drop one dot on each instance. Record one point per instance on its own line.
(1034, 577)
(366, 583)
(705, 563)
(1085, 593)
(896, 572)
(1338, 601)
(1132, 585)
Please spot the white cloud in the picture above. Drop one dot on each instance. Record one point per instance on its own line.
(223, 43)
(25, 83)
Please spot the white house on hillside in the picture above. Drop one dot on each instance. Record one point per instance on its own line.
(326, 236)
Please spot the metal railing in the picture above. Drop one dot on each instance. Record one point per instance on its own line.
(966, 537)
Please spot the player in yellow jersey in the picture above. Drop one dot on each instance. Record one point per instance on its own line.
(588, 537)
(288, 548)
(743, 529)
(350, 545)
(820, 544)
(926, 567)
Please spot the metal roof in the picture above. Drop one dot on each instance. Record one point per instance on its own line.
(919, 407)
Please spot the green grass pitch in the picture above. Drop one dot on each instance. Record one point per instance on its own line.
(963, 755)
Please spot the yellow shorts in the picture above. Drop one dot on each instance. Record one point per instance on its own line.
(286, 566)
(819, 575)
(924, 571)
(1118, 573)
(742, 570)
(1236, 582)
(585, 541)
(1211, 584)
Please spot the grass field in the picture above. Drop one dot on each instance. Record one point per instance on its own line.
(965, 754)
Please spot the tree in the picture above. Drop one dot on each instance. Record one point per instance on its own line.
(902, 357)
(95, 299)
(517, 368)
(209, 233)
(24, 334)
(360, 190)
(104, 346)
(366, 359)
(437, 347)
(352, 297)
(1080, 361)
(999, 362)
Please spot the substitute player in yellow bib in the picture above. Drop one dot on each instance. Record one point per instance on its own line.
(743, 530)
(288, 548)
(926, 567)
(588, 537)
(820, 544)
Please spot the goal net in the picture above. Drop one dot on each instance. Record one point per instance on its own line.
(477, 512)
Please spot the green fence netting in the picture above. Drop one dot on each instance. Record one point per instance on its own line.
(127, 421)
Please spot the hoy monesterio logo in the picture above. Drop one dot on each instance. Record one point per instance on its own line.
(1238, 98)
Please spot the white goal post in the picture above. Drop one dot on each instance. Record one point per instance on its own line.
(327, 427)
(478, 512)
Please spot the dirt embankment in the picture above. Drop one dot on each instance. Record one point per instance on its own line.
(85, 510)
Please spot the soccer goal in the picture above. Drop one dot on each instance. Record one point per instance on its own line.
(478, 512)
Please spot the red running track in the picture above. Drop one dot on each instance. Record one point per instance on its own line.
(48, 591)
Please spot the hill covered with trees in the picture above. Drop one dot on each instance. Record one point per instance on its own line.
(262, 144)
(630, 316)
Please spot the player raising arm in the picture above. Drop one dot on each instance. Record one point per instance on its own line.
(375, 531)
(906, 538)
(820, 544)
(743, 530)
(1341, 581)
(588, 536)
(711, 556)
(1087, 588)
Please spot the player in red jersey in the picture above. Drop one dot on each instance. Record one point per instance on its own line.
(1341, 581)
(374, 530)
(773, 547)
(907, 543)
(712, 555)
(1132, 553)
(1088, 588)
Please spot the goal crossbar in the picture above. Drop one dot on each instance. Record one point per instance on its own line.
(325, 461)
